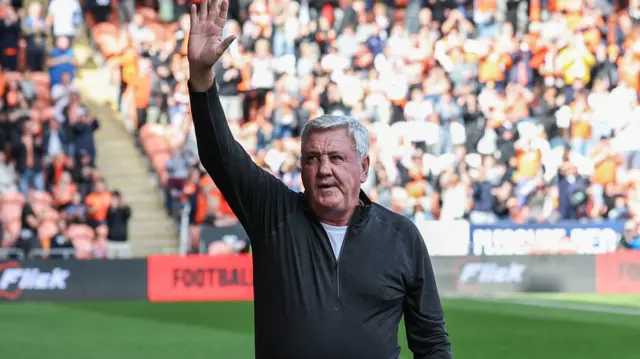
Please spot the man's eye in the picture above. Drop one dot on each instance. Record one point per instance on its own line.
(336, 158)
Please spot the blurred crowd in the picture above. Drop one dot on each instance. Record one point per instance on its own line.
(486, 110)
(52, 195)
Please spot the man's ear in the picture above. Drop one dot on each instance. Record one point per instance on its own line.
(364, 174)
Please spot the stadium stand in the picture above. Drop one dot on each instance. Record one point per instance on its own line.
(482, 110)
(476, 111)
(47, 172)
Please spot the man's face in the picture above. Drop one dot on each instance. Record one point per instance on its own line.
(332, 172)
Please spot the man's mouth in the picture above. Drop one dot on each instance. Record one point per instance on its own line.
(325, 186)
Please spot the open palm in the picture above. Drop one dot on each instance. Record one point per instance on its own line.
(205, 37)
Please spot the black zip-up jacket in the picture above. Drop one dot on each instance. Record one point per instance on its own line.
(308, 305)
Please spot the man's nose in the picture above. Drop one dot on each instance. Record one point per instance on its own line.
(325, 167)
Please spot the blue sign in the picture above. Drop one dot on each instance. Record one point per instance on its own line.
(552, 238)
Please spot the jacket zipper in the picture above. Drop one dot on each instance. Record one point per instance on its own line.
(344, 243)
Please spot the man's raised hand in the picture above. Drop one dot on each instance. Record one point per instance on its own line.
(205, 42)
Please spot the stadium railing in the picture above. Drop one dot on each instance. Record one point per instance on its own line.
(72, 253)
(9, 252)
(185, 240)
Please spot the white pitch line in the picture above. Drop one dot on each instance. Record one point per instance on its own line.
(567, 305)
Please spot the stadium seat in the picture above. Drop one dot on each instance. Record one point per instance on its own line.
(12, 75)
(82, 237)
(12, 203)
(47, 230)
(47, 113)
(148, 14)
(41, 79)
(153, 144)
(159, 31)
(42, 197)
(12, 228)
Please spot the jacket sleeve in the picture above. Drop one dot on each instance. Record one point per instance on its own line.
(259, 200)
(424, 319)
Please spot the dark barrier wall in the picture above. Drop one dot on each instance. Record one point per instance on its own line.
(510, 274)
(50, 280)
(618, 272)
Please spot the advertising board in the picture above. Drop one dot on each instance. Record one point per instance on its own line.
(618, 272)
(556, 238)
(50, 280)
(200, 278)
(234, 235)
(471, 275)
(445, 238)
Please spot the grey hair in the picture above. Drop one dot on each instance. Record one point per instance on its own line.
(356, 130)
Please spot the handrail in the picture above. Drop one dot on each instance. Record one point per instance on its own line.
(185, 241)
(8, 252)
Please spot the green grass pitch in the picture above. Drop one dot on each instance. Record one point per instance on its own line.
(138, 330)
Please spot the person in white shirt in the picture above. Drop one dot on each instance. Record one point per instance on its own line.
(65, 16)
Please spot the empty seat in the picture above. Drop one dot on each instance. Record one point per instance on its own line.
(47, 230)
(82, 237)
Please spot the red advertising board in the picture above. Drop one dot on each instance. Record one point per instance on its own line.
(618, 272)
(200, 278)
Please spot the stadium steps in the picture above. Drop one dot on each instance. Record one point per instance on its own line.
(124, 168)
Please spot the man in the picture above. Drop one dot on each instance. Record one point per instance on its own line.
(333, 272)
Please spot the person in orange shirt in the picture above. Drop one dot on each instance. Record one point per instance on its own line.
(97, 204)
(606, 163)
(63, 191)
(142, 92)
(128, 62)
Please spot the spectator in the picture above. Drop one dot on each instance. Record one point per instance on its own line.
(99, 9)
(63, 191)
(28, 236)
(83, 174)
(64, 16)
(83, 129)
(118, 222)
(60, 243)
(490, 95)
(9, 36)
(177, 167)
(29, 157)
(7, 175)
(98, 202)
(54, 140)
(61, 60)
(35, 29)
(75, 212)
(28, 87)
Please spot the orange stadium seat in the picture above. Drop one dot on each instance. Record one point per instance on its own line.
(82, 237)
(12, 203)
(50, 214)
(43, 197)
(47, 230)
(148, 14)
(13, 228)
(41, 79)
(12, 75)
(154, 144)
(160, 32)
(159, 160)
(47, 113)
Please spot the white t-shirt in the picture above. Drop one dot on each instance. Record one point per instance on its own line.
(62, 12)
(336, 237)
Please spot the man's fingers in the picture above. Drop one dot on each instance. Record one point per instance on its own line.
(226, 43)
(203, 10)
(213, 10)
(222, 15)
(194, 15)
